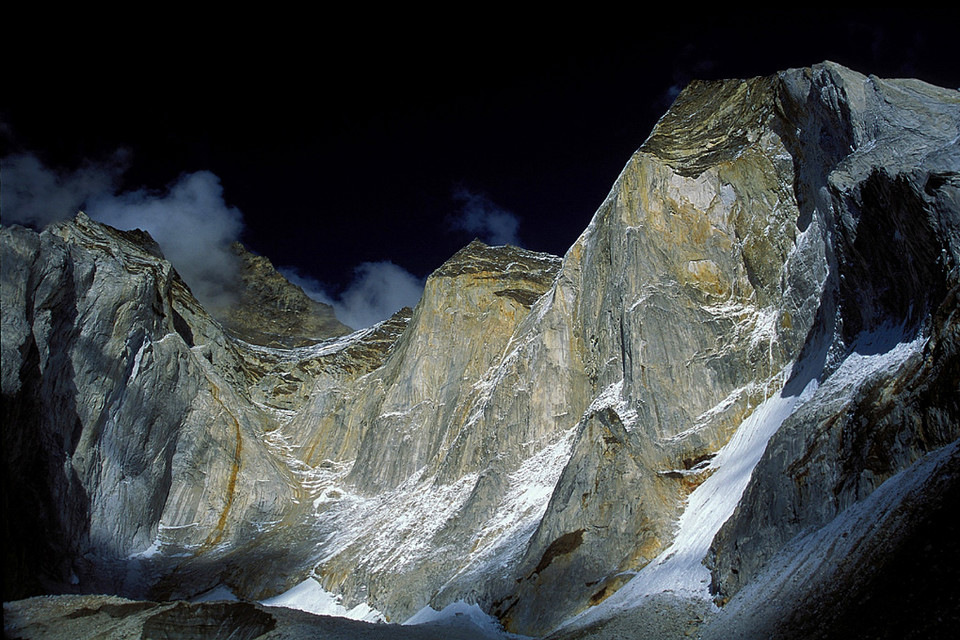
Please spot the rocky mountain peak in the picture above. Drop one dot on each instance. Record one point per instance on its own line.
(269, 310)
(505, 261)
(710, 122)
(735, 395)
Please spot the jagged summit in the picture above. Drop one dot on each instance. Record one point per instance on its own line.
(735, 395)
(506, 261)
(138, 237)
(692, 138)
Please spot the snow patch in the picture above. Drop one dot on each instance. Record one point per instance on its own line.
(138, 359)
(881, 351)
(397, 526)
(309, 596)
(324, 348)
(503, 538)
(217, 594)
(149, 552)
(612, 398)
(812, 555)
(680, 568)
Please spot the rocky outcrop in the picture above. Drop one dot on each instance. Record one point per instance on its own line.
(126, 427)
(93, 617)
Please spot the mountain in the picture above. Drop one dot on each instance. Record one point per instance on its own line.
(732, 409)
(269, 310)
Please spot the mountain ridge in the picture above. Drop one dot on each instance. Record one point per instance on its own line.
(775, 269)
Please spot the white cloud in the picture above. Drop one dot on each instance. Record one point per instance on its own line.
(193, 226)
(191, 223)
(378, 290)
(311, 286)
(190, 220)
(33, 194)
(480, 216)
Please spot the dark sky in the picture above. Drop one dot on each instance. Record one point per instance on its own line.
(346, 143)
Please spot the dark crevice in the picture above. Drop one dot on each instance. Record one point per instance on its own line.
(565, 544)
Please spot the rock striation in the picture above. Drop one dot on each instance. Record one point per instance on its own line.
(135, 428)
(780, 257)
(845, 271)
(411, 466)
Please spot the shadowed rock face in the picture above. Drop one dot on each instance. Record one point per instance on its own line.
(107, 617)
(126, 415)
(208, 621)
(96, 617)
(528, 436)
(269, 310)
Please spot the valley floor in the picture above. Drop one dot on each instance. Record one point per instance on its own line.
(660, 617)
(111, 618)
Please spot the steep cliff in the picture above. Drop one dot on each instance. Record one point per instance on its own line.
(848, 256)
(126, 426)
(410, 474)
(887, 412)
(748, 359)
(137, 434)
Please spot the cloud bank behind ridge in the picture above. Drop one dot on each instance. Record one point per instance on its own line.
(193, 225)
(377, 291)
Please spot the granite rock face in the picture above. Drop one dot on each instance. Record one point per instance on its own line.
(406, 465)
(891, 194)
(530, 436)
(842, 209)
(126, 429)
